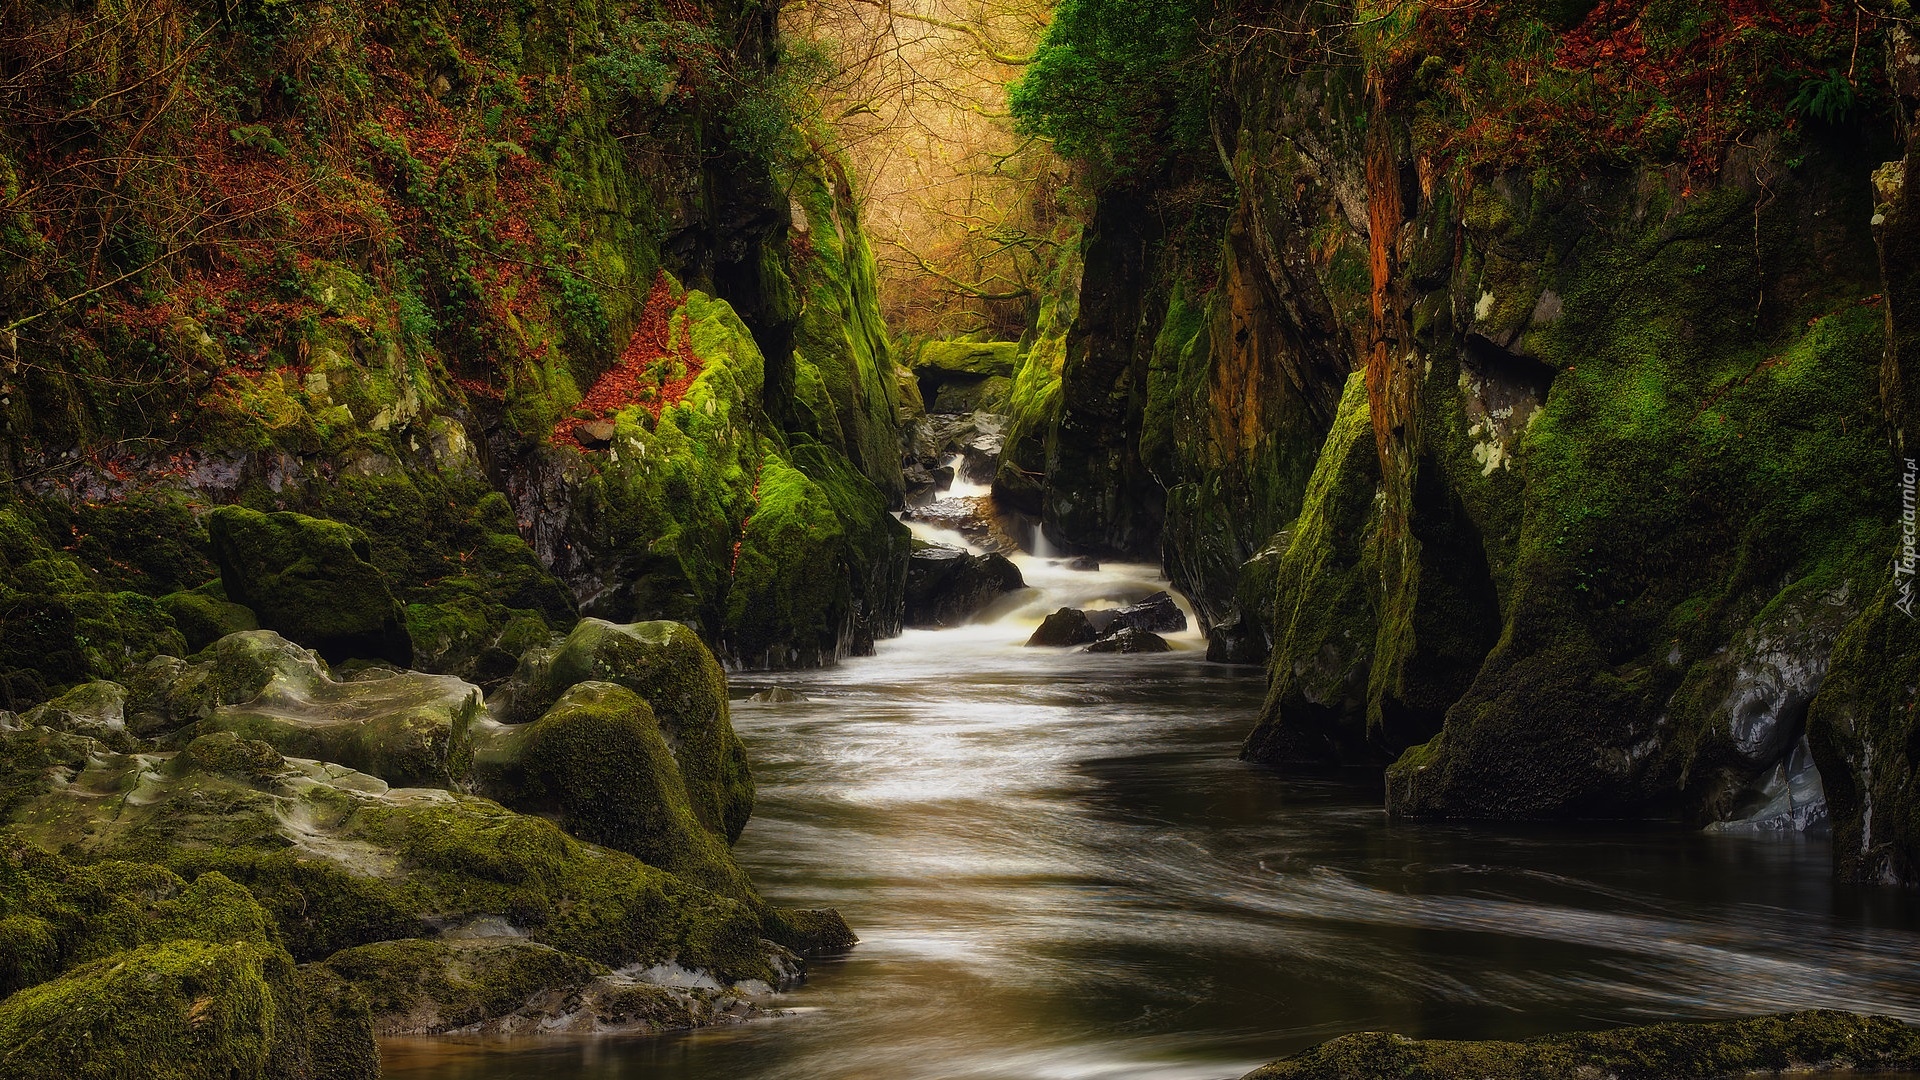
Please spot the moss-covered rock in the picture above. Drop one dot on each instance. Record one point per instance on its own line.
(310, 580)
(119, 969)
(1865, 736)
(339, 859)
(1794, 1042)
(599, 762)
(205, 619)
(667, 665)
(404, 727)
(504, 986)
(1324, 605)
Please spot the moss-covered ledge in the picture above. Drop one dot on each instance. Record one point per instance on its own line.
(1796, 1042)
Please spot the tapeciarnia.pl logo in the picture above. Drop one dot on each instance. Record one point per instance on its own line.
(1903, 561)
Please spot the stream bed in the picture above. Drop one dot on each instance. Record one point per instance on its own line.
(1059, 871)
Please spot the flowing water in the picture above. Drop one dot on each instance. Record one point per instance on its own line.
(1059, 870)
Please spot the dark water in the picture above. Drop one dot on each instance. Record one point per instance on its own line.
(1059, 870)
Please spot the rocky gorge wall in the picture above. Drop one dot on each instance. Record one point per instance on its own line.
(1554, 487)
(562, 309)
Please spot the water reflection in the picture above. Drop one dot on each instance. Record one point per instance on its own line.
(1058, 870)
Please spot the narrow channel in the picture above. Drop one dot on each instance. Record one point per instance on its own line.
(1059, 871)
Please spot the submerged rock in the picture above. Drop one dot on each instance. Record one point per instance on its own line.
(509, 986)
(1794, 1042)
(1068, 626)
(947, 586)
(311, 580)
(777, 694)
(1129, 640)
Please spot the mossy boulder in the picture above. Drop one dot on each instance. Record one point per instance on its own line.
(505, 986)
(948, 586)
(666, 664)
(121, 969)
(311, 580)
(340, 859)
(403, 726)
(419, 986)
(598, 761)
(204, 619)
(1794, 1042)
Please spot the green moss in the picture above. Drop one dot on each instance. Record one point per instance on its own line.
(420, 985)
(181, 1009)
(1325, 602)
(309, 579)
(666, 664)
(204, 619)
(1707, 412)
(1793, 1042)
(599, 761)
(339, 1028)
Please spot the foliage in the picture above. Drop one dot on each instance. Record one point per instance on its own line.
(1532, 82)
(1119, 85)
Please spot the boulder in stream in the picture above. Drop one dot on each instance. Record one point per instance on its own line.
(1129, 640)
(948, 586)
(1068, 626)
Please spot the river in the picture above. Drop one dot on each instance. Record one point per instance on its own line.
(1059, 871)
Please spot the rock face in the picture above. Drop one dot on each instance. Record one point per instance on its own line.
(1795, 1042)
(948, 586)
(310, 580)
(965, 376)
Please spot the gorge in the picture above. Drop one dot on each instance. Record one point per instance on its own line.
(524, 525)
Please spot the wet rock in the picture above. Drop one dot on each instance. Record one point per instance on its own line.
(811, 932)
(947, 586)
(1794, 1042)
(1130, 640)
(667, 665)
(598, 762)
(403, 727)
(1236, 641)
(976, 518)
(921, 487)
(96, 709)
(1156, 614)
(1083, 563)
(1790, 798)
(311, 580)
(1068, 626)
(777, 694)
